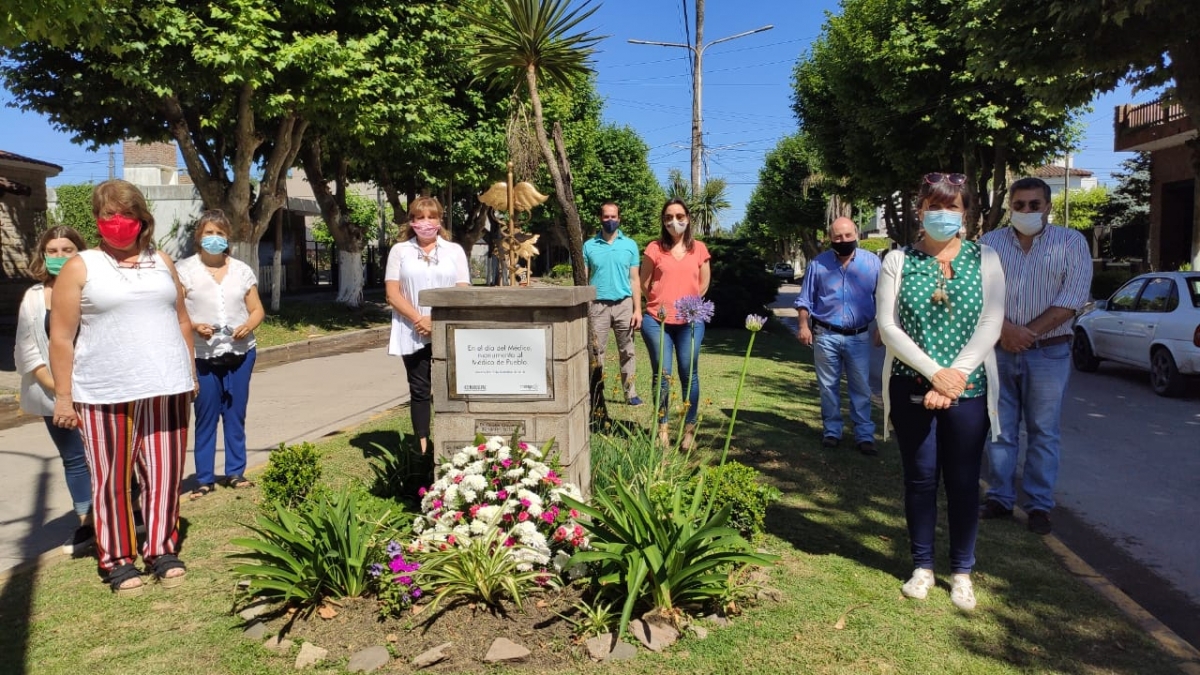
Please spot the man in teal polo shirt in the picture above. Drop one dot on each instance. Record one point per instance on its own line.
(612, 263)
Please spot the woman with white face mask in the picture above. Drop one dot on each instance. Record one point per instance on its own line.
(425, 258)
(223, 303)
(940, 309)
(55, 247)
(674, 266)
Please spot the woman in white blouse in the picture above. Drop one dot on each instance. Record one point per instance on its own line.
(223, 304)
(425, 258)
(32, 356)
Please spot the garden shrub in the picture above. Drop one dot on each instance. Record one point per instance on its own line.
(291, 475)
(741, 283)
(487, 568)
(636, 459)
(738, 487)
(1106, 282)
(400, 472)
(396, 581)
(561, 271)
(325, 550)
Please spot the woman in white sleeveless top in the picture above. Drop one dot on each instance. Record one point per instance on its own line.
(121, 353)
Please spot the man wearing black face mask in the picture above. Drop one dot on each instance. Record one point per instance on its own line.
(612, 263)
(838, 297)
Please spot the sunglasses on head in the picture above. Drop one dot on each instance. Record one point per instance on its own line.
(951, 178)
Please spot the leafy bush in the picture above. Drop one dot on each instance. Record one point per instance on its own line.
(291, 475)
(737, 486)
(303, 557)
(395, 581)
(638, 461)
(741, 283)
(666, 556)
(479, 569)
(401, 472)
(561, 271)
(875, 244)
(1106, 282)
(74, 209)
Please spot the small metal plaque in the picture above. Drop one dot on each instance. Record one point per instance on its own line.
(502, 428)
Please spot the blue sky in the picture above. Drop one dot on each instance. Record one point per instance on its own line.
(747, 93)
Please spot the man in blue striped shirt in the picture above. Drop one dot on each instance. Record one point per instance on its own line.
(1048, 277)
(838, 296)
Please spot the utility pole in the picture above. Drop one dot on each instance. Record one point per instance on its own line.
(698, 84)
(112, 163)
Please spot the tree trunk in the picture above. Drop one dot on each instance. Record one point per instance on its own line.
(562, 189)
(999, 191)
(349, 237)
(1185, 64)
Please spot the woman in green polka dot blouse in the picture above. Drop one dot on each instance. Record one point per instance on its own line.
(940, 308)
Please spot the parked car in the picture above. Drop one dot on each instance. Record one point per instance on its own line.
(1152, 323)
(785, 271)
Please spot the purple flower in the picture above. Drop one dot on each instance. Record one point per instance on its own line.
(755, 323)
(693, 308)
(404, 579)
(416, 592)
(393, 549)
(375, 570)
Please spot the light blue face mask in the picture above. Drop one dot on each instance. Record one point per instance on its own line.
(214, 244)
(942, 225)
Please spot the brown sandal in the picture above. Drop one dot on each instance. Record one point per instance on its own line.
(202, 491)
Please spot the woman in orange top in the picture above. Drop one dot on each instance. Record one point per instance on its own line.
(674, 266)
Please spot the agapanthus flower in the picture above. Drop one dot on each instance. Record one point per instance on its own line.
(693, 308)
(393, 549)
(755, 323)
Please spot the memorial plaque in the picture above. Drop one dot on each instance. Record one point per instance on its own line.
(500, 362)
(502, 428)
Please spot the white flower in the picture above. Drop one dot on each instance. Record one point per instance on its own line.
(495, 443)
(473, 482)
(488, 514)
(479, 526)
(490, 495)
(461, 458)
(468, 495)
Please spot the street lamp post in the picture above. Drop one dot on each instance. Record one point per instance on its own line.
(697, 84)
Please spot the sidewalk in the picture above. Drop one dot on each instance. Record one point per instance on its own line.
(289, 403)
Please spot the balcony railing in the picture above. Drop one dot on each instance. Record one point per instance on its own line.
(1151, 126)
(1133, 117)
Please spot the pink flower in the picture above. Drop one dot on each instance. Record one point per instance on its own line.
(475, 509)
(458, 515)
(574, 513)
(578, 530)
(523, 445)
(510, 542)
(507, 518)
(560, 534)
(458, 479)
(502, 494)
(421, 492)
(437, 504)
(548, 516)
(482, 447)
(450, 539)
(523, 516)
(506, 463)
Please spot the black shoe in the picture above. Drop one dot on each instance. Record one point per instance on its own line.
(992, 509)
(830, 442)
(868, 448)
(82, 540)
(139, 525)
(1039, 522)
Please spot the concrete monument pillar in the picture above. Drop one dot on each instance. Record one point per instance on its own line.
(508, 359)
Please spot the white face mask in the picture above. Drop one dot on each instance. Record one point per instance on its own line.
(1027, 224)
(677, 226)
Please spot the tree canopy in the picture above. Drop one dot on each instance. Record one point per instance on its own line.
(786, 211)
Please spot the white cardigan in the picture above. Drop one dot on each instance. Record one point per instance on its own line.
(979, 349)
(32, 349)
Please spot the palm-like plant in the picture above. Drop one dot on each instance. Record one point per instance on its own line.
(705, 206)
(530, 41)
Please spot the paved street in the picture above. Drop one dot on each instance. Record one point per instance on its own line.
(289, 403)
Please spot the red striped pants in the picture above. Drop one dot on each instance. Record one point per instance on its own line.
(148, 436)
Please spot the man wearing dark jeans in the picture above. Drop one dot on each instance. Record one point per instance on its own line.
(1048, 276)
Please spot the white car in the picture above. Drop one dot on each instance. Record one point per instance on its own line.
(1153, 323)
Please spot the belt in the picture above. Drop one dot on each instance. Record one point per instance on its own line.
(838, 329)
(1050, 341)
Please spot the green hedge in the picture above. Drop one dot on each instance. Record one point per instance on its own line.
(741, 284)
(1106, 282)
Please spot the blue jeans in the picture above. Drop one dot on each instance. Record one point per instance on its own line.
(224, 393)
(946, 443)
(833, 353)
(682, 340)
(74, 460)
(1032, 387)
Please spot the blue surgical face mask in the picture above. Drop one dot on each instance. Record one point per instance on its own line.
(213, 243)
(942, 225)
(610, 225)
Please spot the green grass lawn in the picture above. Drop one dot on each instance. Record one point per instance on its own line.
(839, 530)
(301, 319)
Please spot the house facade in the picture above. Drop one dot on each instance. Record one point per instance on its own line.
(1162, 129)
(22, 217)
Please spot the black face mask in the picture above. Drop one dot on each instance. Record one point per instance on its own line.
(844, 248)
(610, 225)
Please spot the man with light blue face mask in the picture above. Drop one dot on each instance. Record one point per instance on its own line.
(613, 268)
(1049, 274)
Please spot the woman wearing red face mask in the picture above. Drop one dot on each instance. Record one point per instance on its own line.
(424, 258)
(121, 353)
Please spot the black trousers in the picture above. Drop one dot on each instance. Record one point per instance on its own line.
(420, 388)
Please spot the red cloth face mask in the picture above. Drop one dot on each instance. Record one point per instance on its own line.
(119, 232)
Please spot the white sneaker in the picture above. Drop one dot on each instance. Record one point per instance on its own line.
(918, 586)
(962, 592)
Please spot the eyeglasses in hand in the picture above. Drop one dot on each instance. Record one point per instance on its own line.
(222, 330)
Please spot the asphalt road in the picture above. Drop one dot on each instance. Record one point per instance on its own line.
(1129, 478)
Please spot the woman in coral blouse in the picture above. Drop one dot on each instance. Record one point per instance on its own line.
(674, 267)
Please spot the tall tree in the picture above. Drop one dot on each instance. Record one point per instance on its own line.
(615, 167)
(530, 42)
(786, 211)
(1076, 49)
(236, 83)
(885, 96)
